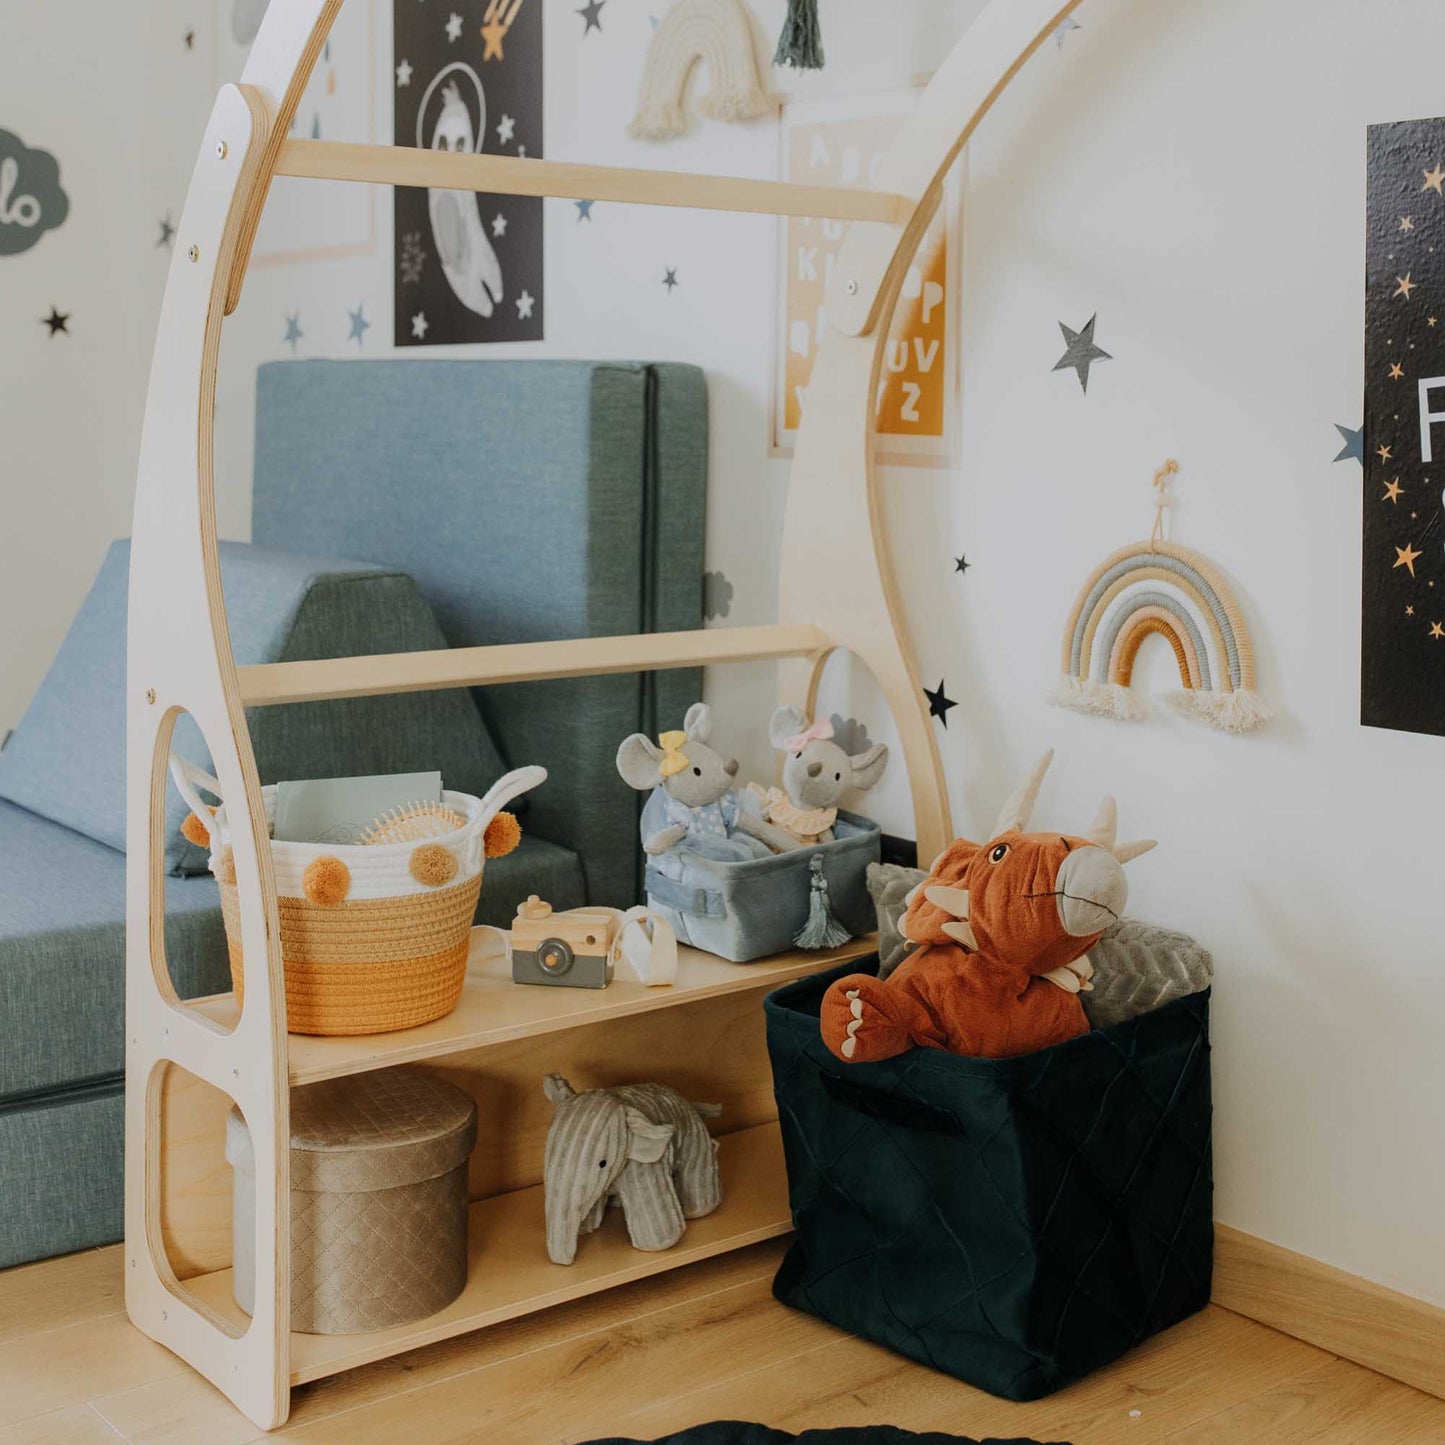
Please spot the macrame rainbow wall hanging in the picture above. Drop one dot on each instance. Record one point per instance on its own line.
(719, 34)
(1157, 588)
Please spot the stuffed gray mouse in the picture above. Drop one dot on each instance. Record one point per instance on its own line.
(701, 808)
(816, 775)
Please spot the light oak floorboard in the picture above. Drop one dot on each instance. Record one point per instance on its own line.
(1193, 1371)
(183, 1408)
(57, 1292)
(573, 1390)
(702, 1343)
(77, 1425)
(76, 1364)
(1338, 1404)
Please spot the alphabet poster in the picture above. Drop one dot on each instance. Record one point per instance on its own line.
(1402, 681)
(842, 143)
(468, 80)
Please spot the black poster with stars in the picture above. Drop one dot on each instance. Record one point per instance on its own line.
(1402, 675)
(468, 79)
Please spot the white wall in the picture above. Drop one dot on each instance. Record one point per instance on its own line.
(70, 406)
(1192, 170)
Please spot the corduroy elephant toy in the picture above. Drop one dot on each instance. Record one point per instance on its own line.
(1002, 929)
(642, 1146)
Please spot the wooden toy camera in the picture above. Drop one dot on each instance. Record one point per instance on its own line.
(576, 949)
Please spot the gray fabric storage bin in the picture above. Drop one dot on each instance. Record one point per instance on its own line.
(746, 911)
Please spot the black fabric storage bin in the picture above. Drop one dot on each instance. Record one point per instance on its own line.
(1015, 1223)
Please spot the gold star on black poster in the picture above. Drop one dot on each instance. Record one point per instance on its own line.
(1402, 670)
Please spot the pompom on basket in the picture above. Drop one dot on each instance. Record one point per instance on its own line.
(374, 937)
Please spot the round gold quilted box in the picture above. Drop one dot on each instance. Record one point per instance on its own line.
(378, 1200)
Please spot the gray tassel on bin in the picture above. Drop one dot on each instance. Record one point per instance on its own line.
(821, 930)
(801, 43)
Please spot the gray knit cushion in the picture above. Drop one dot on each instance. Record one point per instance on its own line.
(1138, 968)
(889, 884)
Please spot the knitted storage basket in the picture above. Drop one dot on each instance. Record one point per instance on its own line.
(373, 937)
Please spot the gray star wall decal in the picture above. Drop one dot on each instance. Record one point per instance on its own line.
(1081, 353)
(591, 12)
(1354, 444)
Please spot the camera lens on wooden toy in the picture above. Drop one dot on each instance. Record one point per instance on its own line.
(554, 957)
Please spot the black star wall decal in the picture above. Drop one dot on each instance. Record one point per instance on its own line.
(938, 704)
(961, 564)
(1354, 444)
(584, 209)
(591, 12)
(168, 233)
(58, 321)
(670, 280)
(1081, 353)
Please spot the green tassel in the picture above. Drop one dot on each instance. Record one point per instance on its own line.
(821, 930)
(801, 43)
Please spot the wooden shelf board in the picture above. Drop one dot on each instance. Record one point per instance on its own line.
(517, 176)
(494, 1010)
(264, 684)
(510, 1275)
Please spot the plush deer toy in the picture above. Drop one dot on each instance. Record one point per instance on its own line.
(1002, 930)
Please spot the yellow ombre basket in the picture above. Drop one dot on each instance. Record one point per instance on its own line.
(374, 937)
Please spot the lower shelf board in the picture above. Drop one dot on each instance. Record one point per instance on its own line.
(509, 1273)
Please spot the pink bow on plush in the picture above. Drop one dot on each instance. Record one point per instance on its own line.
(820, 732)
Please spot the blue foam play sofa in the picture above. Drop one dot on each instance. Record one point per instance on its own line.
(397, 506)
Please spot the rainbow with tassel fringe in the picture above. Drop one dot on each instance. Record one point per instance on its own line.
(1158, 588)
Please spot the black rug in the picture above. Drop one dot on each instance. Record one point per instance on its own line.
(735, 1432)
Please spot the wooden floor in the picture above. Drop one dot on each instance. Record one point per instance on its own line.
(703, 1343)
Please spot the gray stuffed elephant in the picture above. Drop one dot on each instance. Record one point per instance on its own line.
(816, 775)
(642, 1146)
(694, 803)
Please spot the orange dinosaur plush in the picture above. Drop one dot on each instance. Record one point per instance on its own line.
(1002, 931)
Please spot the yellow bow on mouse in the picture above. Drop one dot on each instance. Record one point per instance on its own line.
(674, 760)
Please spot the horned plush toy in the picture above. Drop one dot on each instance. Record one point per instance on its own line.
(1001, 931)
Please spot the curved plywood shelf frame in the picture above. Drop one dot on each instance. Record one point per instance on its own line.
(835, 567)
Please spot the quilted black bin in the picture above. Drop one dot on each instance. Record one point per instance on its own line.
(1015, 1223)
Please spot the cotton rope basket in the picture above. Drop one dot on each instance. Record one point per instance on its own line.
(374, 937)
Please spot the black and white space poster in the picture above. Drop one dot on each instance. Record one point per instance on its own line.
(468, 79)
(1402, 681)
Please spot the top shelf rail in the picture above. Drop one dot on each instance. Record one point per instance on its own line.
(515, 176)
(265, 684)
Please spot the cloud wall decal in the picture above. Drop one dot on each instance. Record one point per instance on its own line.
(32, 201)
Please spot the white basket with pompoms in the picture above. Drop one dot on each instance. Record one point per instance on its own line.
(374, 935)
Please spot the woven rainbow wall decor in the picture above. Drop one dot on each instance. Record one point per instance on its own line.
(1157, 588)
(719, 34)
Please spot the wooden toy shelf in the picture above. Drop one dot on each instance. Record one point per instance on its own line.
(494, 1010)
(509, 1274)
(187, 1064)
